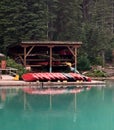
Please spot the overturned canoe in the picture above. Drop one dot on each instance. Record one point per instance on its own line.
(55, 76)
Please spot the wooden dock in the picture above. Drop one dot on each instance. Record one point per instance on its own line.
(8, 81)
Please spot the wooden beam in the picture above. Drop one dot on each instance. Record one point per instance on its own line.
(46, 43)
(75, 56)
(24, 56)
(21, 58)
(50, 69)
(71, 50)
(29, 51)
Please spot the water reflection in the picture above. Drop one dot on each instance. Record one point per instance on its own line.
(46, 96)
(6, 94)
(75, 108)
(3, 98)
(50, 97)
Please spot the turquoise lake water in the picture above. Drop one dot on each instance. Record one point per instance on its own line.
(90, 109)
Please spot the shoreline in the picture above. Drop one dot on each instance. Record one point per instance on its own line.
(102, 78)
(8, 81)
(19, 83)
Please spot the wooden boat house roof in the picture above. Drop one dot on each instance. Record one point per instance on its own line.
(50, 43)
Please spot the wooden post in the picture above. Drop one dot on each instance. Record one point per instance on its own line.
(50, 69)
(75, 56)
(25, 56)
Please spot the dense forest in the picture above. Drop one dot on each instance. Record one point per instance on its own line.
(89, 21)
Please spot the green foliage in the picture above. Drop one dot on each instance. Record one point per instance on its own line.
(98, 60)
(68, 24)
(109, 55)
(22, 20)
(13, 64)
(63, 20)
(83, 63)
(96, 73)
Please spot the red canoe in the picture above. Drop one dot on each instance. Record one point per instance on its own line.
(54, 77)
(77, 76)
(30, 77)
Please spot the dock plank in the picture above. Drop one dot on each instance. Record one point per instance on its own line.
(7, 77)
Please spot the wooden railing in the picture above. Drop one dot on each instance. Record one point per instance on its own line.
(8, 70)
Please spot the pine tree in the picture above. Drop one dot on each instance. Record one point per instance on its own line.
(22, 20)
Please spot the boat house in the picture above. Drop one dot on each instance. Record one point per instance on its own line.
(37, 54)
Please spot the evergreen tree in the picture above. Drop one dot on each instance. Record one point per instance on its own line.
(70, 20)
(22, 20)
(95, 33)
(89, 21)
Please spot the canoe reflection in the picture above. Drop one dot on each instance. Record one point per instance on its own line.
(53, 91)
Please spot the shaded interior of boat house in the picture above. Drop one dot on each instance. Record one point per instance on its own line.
(49, 56)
